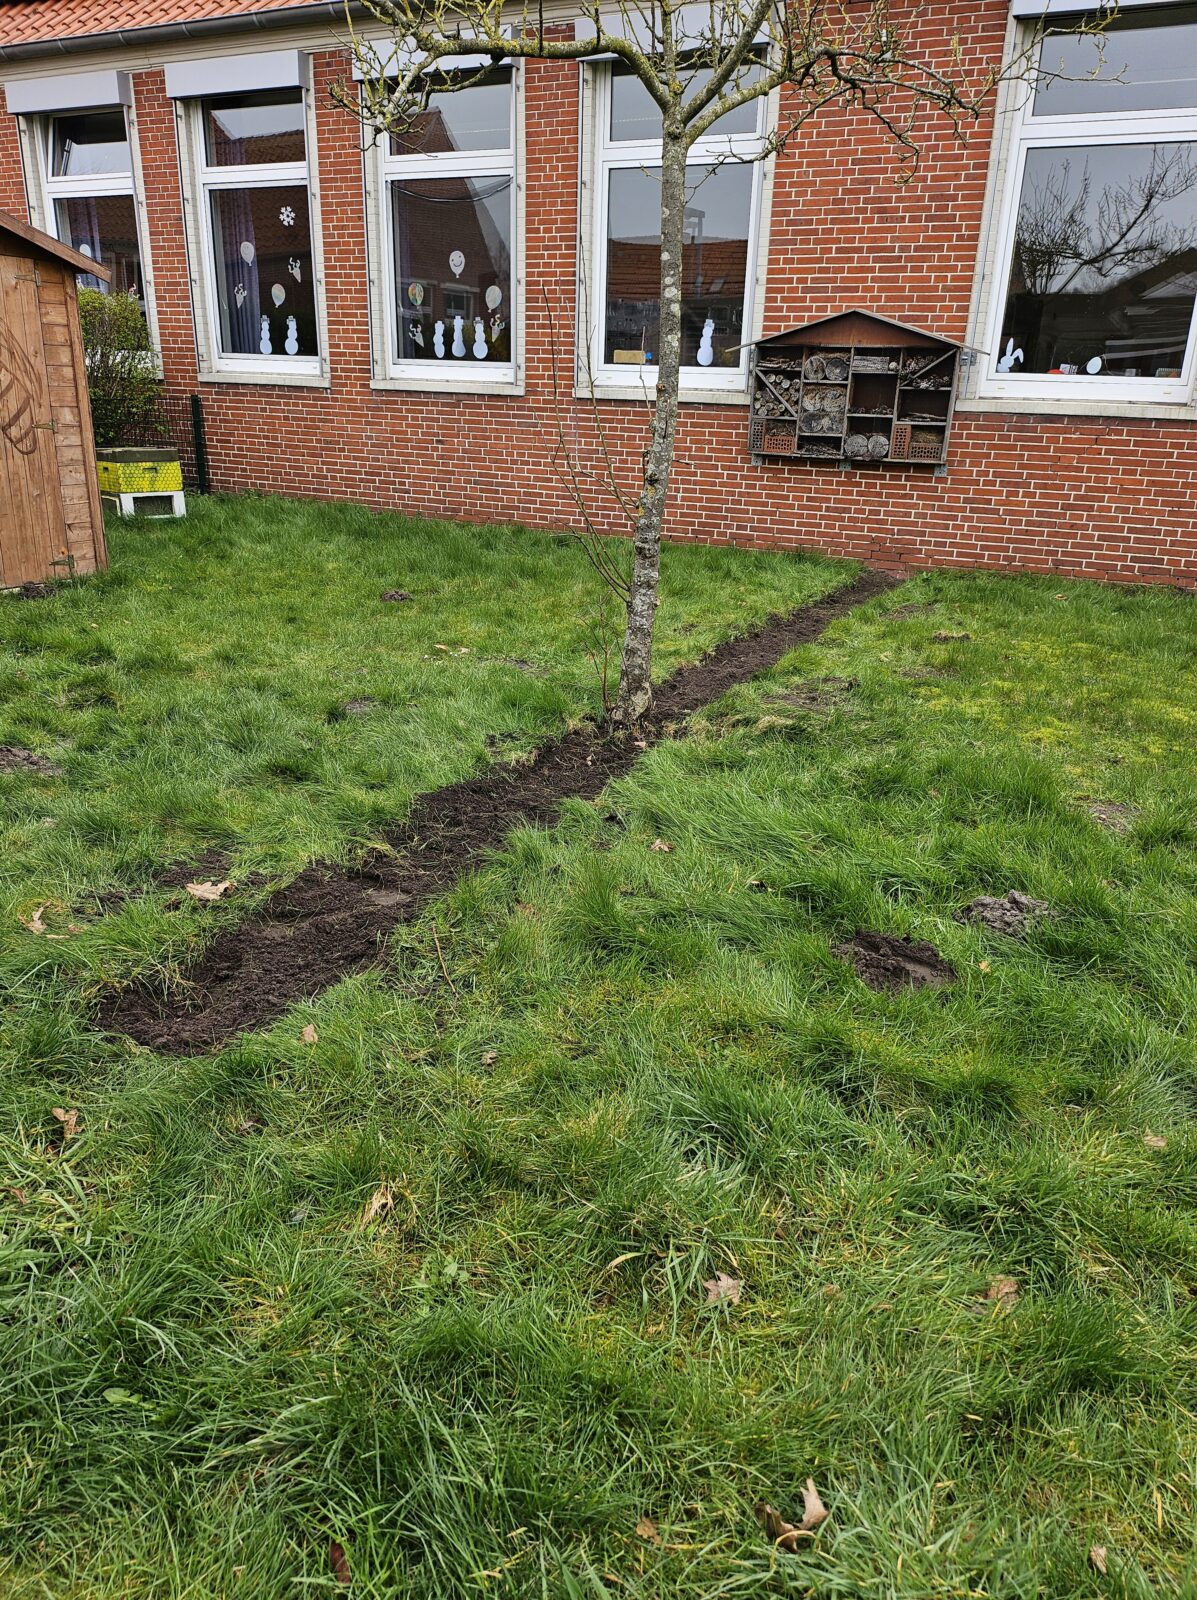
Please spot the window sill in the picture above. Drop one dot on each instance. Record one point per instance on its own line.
(1046, 406)
(462, 383)
(639, 394)
(268, 379)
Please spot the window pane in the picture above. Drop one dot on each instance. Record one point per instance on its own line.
(261, 242)
(636, 115)
(104, 228)
(478, 118)
(452, 242)
(1104, 271)
(249, 129)
(1147, 62)
(96, 142)
(714, 265)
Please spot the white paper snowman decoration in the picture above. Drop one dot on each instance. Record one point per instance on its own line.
(292, 344)
(458, 340)
(264, 344)
(706, 349)
(438, 339)
(479, 340)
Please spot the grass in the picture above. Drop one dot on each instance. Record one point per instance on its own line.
(431, 1288)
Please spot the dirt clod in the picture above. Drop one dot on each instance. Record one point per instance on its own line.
(951, 638)
(889, 962)
(36, 591)
(14, 758)
(1009, 914)
(396, 596)
(331, 921)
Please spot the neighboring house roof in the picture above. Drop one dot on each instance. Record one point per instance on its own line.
(49, 245)
(46, 22)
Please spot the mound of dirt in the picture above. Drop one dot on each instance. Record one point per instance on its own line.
(331, 921)
(14, 758)
(1009, 914)
(889, 962)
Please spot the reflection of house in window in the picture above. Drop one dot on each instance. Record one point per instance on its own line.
(450, 202)
(713, 279)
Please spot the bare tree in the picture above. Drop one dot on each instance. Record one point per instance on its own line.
(698, 63)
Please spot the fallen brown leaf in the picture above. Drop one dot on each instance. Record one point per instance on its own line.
(1097, 1558)
(721, 1287)
(339, 1562)
(646, 1528)
(209, 890)
(34, 921)
(309, 1034)
(1004, 1290)
(950, 638)
(783, 1534)
(661, 845)
(814, 1512)
(1155, 1141)
(69, 1120)
(489, 1057)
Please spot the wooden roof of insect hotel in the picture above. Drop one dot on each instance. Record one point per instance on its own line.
(862, 329)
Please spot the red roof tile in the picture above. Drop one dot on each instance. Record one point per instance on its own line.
(43, 21)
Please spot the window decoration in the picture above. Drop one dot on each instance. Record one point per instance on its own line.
(722, 212)
(449, 196)
(90, 195)
(254, 192)
(1097, 271)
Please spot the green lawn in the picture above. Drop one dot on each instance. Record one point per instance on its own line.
(431, 1288)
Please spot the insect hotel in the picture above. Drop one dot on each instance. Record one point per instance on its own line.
(855, 389)
(50, 520)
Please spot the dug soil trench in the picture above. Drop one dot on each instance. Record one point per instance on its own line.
(333, 920)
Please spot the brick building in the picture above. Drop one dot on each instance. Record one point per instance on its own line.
(418, 323)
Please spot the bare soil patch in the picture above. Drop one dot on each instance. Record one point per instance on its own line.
(331, 920)
(1111, 814)
(820, 694)
(14, 758)
(889, 962)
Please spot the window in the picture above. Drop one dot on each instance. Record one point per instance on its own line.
(718, 256)
(256, 226)
(90, 194)
(448, 196)
(1096, 277)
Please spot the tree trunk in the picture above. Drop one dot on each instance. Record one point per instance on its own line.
(635, 674)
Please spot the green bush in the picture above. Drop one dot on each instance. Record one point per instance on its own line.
(126, 394)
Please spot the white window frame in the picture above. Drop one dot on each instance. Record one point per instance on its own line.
(215, 364)
(457, 375)
(1021, 131)
(610, 380)
(44, 189)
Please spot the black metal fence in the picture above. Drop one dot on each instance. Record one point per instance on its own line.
(183, 417)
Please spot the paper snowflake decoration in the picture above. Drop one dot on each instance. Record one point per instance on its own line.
(286, 216)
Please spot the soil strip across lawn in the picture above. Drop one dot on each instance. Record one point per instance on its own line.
(332, 920)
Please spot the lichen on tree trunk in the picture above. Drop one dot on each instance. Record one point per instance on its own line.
(635, 676)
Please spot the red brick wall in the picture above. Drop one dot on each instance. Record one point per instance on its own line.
(1106, 498)
(12, 184)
